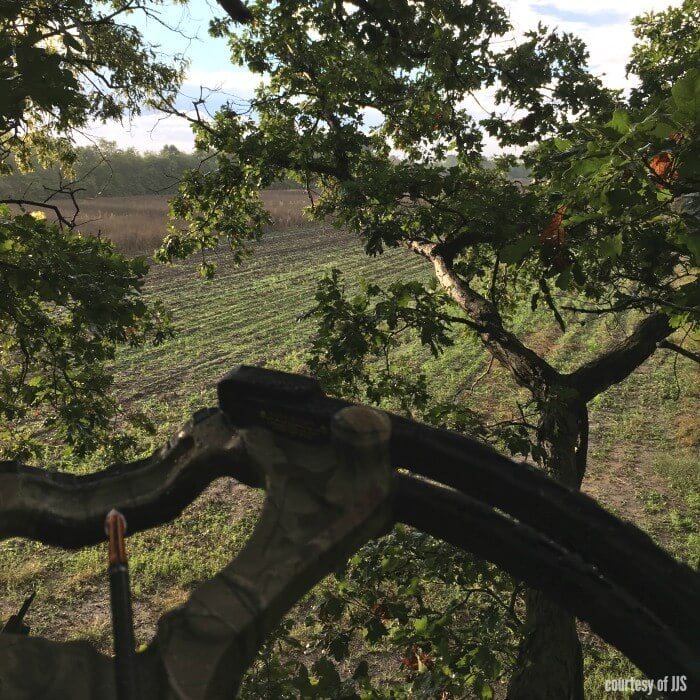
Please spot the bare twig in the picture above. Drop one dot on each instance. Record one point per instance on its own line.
(22, 203)
(668, 345)
(483, 375)
(550, 303)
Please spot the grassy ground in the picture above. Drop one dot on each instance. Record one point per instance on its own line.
(644, 433)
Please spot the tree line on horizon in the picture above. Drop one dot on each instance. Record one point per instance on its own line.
(106, 170)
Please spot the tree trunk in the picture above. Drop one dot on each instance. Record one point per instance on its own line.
(550, 661)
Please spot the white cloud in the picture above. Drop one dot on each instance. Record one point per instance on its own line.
(238, 82)
(150, 132)
(592, 7)
(609, 44)
(147, 132)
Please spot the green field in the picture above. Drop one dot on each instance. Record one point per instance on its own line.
(246, 314)
(644, 433)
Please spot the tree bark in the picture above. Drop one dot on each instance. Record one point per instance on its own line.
(550, 660)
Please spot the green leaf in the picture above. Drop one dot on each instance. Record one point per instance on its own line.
(410, 588)
(620, 122)
(71, 42)
(301, 680)
(619, 198)
(688, 165)
(332, 608)
(206, 270)
(362, 670)
(339, 647)
(374, 630)
(564, 280)
(421, 624)
(328, 676)
(515, 252)
(588, 166)
(692, 242)
(486, 692)
(663, 130)
(686, 96)
(611, 246)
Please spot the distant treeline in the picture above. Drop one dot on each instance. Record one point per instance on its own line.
(106, 170)
(517, 172)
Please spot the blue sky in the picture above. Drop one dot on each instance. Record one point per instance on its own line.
(181, 30)
(605, 29)
(599, 18)
(188, 35)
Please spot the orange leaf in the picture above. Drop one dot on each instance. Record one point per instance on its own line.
(662, 166)
(414, 658)
(553, 233)
(661, 163)
(380, 611)
(426, 659)
(410, 662)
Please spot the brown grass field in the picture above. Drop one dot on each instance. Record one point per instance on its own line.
(138, 224)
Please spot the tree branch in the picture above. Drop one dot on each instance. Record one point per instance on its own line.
(484, 374)
(527, 367)
(32, 203)
(615, 365)
(236, 10)
(668, 345)
(544, 287)
(624, 306)
(449, 249)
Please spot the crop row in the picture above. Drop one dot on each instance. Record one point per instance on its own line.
(247, 314)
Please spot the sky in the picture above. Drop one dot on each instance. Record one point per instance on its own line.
(605, 28)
